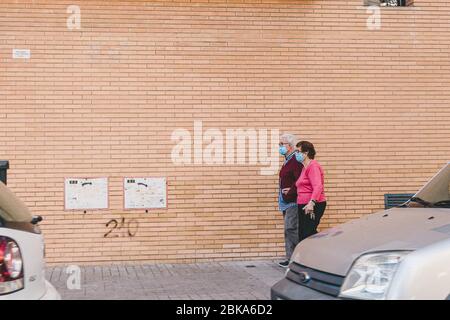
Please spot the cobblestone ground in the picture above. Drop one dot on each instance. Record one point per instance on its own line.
(244, 280)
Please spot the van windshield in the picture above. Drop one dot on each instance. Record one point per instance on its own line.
(436, 192)
(12, 209)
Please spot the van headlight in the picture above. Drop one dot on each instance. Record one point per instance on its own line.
(371, 275)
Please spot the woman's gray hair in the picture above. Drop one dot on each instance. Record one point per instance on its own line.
(289, 138)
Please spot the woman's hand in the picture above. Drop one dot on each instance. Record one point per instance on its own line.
(309, 209)
(285, 190)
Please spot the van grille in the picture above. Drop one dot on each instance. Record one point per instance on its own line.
(314, 279)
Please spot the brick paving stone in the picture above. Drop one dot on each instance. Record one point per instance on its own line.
(233, 280)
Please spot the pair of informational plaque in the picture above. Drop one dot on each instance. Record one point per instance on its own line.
(92, 193)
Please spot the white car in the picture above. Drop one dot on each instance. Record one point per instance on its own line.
(399, 254)
(22, 275)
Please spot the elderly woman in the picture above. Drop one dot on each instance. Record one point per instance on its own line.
(287, 196)
(311, 198)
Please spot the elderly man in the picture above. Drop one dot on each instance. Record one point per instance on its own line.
(287, 196)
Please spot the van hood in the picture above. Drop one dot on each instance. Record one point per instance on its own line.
(334, 250)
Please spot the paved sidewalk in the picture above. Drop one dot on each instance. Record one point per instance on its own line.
(245, 280)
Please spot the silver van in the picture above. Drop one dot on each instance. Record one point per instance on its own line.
(401, 253)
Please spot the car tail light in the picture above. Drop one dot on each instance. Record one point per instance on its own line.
(11, 266)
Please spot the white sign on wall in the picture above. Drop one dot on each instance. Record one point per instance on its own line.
(145, 193)
(21, 54)
(83, 194)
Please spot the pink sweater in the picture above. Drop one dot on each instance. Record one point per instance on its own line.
(310, 184)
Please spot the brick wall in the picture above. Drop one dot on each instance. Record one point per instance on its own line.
(104, 100)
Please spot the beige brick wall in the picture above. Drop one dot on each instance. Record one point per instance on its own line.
(104, 100)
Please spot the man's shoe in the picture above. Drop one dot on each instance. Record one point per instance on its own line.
(284, 264)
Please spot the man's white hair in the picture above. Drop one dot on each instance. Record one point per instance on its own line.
(289, 138)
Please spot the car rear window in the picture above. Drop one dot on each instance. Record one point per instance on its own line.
(12, 209)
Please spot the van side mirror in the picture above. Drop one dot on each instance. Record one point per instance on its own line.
(4, 166)
(36, 219)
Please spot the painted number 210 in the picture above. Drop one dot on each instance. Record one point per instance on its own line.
(128, 227)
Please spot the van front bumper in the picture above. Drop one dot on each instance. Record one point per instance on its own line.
(286, 289)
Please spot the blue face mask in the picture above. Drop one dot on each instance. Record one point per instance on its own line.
(300, 157)
(283, 150)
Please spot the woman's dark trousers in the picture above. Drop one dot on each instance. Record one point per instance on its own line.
(306, 225)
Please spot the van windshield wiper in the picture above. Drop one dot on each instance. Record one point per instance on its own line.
(421, 201)
(442, 204)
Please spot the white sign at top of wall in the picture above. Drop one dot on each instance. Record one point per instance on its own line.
(21, 54)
